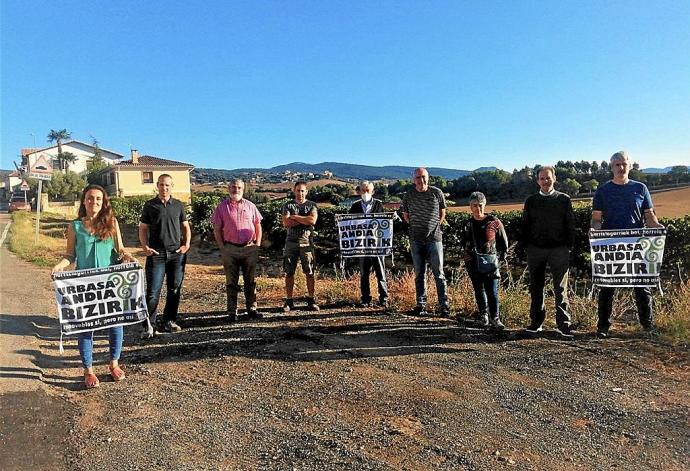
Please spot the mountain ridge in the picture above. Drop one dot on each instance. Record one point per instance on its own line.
(360, 171)
(346, 170)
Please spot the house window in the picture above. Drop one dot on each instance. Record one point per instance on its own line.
(147, 177)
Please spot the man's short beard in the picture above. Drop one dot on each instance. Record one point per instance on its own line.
(236, 197)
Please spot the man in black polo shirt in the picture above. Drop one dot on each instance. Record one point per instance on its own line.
(165, 236)
(548, 235)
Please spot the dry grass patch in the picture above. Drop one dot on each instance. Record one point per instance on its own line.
(51, 239)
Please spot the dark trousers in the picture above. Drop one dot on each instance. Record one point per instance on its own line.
(558, 260)
(168, 265)
(485, 291)
(366, 265)
(236, 259)
(643, 300)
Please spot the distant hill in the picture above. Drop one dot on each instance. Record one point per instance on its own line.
(657, 170)
(347, 170)
(341, 170)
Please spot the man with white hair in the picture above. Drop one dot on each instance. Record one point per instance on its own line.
(622, 203)
(237, 230)
(424, 209)
(370, 205)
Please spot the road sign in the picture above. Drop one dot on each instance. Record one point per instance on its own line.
(24, 186)
(41, 168)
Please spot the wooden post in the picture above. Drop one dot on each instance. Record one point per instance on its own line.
(38, 209)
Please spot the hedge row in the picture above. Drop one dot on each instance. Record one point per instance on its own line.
(676, 256)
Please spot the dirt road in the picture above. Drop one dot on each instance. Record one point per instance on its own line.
(337, 389)
(35, 417)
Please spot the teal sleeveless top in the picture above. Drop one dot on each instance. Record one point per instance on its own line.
(90, 251)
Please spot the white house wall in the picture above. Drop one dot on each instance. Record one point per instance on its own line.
(83, 152)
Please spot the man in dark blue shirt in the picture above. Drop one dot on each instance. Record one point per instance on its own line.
(622, 203)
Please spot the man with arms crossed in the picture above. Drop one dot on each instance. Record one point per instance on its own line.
(367, 205)
(548, 235)
(299, 217)
(424, 209)
(622, 203)
(237, 230)
(165, 236)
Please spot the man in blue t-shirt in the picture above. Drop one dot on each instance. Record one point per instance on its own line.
(622, 203)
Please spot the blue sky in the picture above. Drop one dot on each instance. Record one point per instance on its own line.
(456, 84)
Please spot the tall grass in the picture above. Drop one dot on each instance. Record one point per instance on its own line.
(51, 238)
(673, 313)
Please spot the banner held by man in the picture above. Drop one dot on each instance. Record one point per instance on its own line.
(365, 235)
(627, 257)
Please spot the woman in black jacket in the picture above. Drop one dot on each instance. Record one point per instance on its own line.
(485, 244)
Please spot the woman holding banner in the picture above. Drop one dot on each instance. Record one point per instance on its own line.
(485, 244)
(93, 241)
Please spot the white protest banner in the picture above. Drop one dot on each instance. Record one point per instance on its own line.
(365, 235)
(99, 298)
(627, 257)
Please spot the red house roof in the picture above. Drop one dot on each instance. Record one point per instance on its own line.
(150, 161)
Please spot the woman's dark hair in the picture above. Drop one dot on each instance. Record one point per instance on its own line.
(103, 225)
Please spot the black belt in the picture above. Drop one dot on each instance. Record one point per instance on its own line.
(225, 242)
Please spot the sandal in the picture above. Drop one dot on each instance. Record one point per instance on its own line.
(91, 381)
(116, 373)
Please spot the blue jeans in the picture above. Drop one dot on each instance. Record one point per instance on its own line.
(431, 253)
(85, 343)
(485, 291)
(168, 265)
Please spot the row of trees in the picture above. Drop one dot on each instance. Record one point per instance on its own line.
(572, 177)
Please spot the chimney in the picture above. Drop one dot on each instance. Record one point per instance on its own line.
(135, 156)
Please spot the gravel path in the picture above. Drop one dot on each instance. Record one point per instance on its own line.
(349, 389)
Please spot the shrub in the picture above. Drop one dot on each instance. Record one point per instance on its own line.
(203, 205)
(676, 257)
(128, 209)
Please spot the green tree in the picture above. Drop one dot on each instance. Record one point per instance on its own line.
(582, 167)
(66, 158)
(679, 173)
(58, 136)
(463, 186)
(95, 164)
(590, 186)
(65, 186)
(381, 191)
(565, 170)
(570, 186)
(636, 174)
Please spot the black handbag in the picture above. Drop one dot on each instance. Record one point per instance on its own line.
(487, 263)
